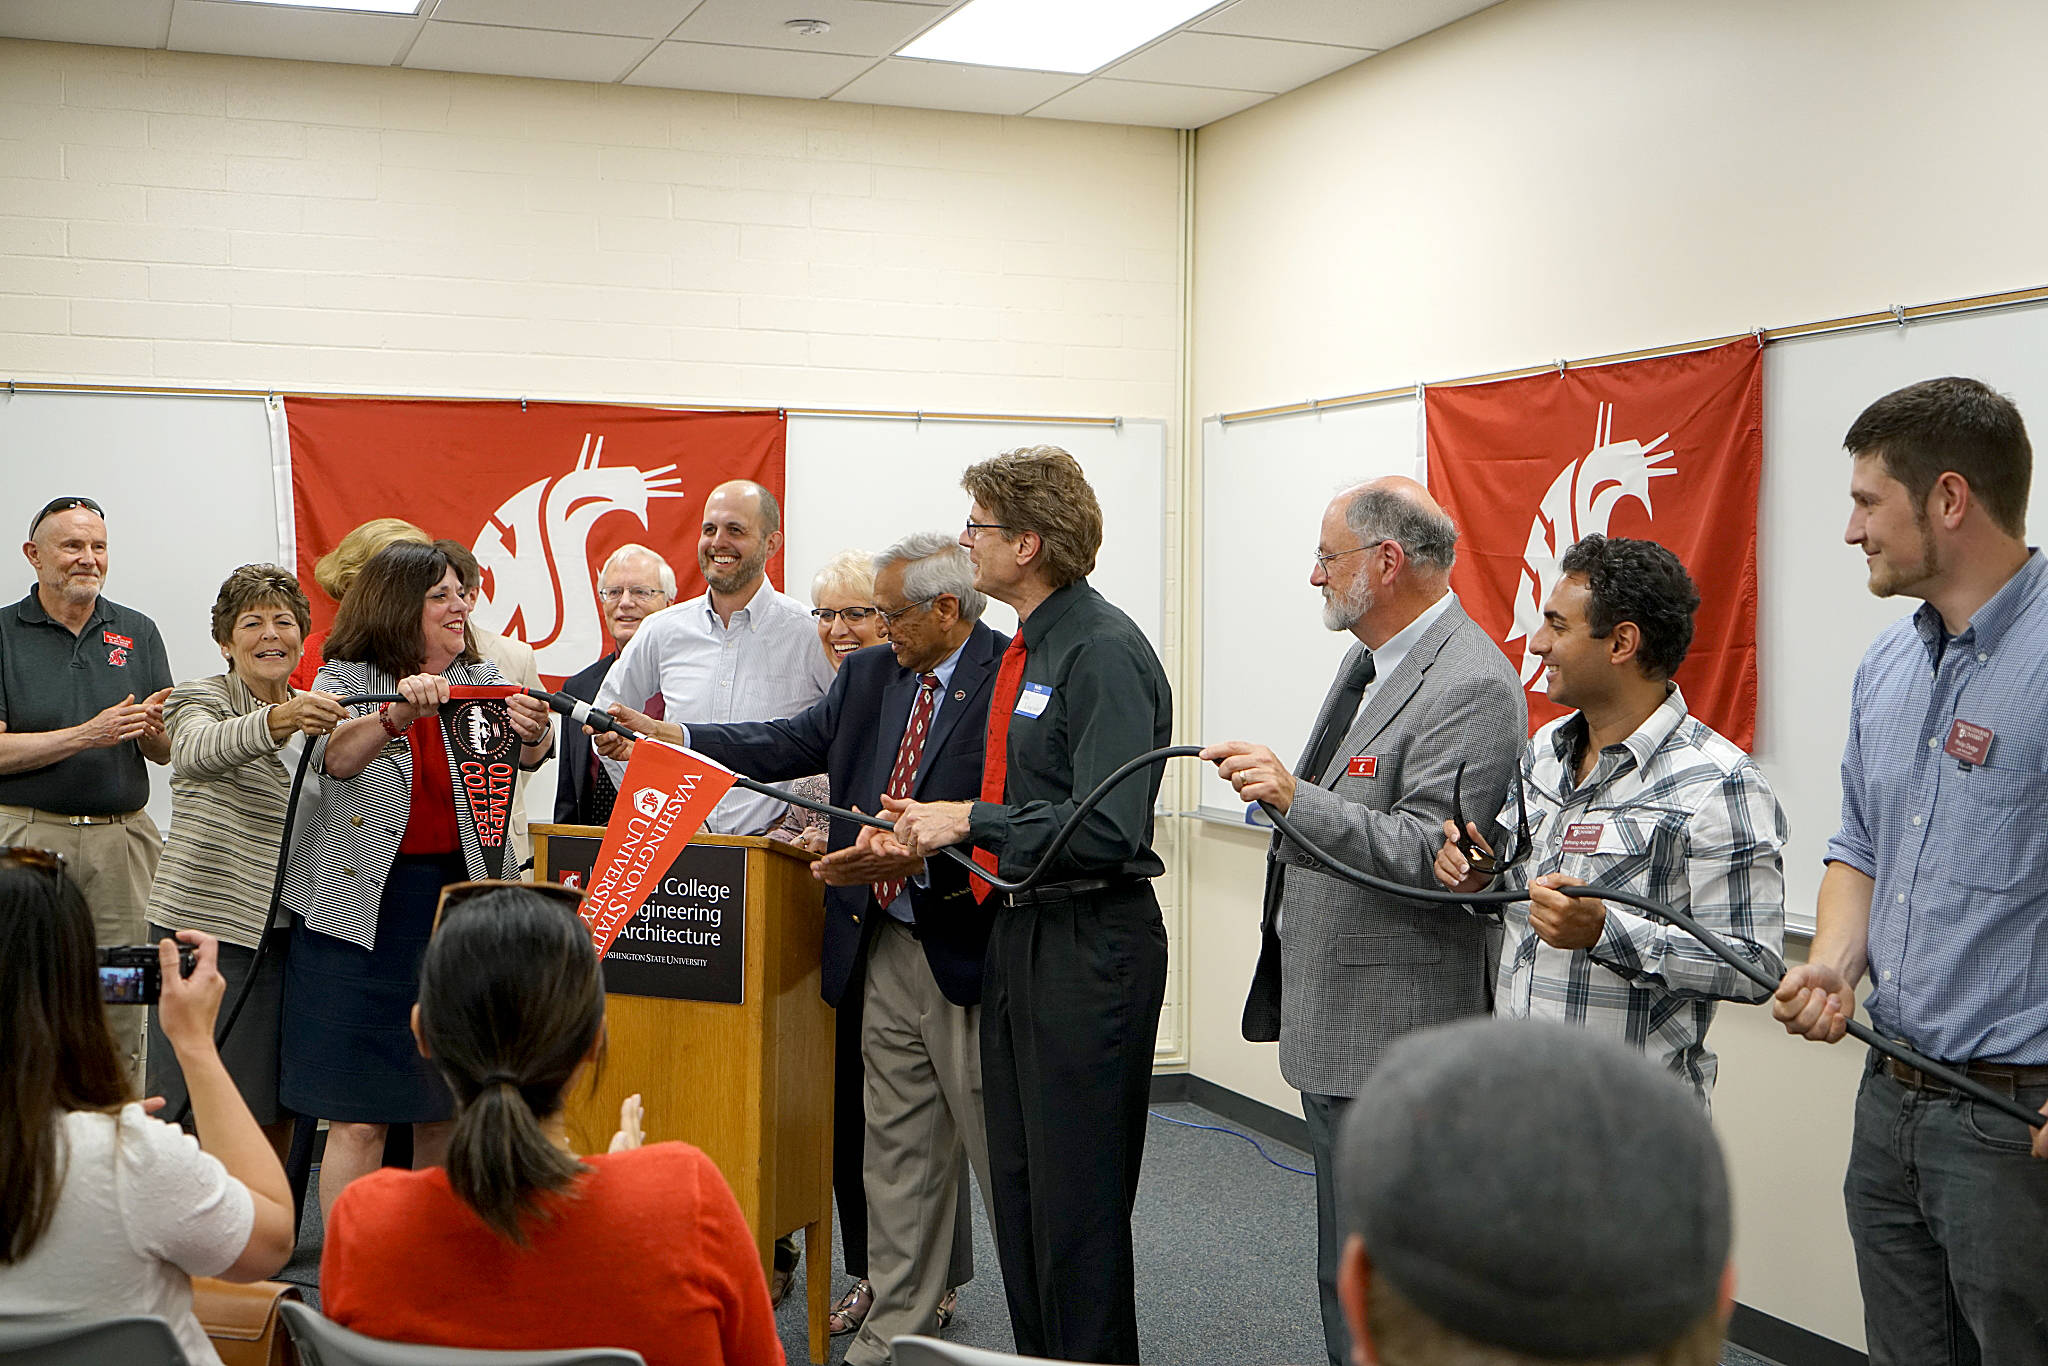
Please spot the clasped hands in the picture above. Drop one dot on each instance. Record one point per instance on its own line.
(126, 720)
(922, 828)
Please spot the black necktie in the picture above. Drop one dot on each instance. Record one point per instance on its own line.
(1337, 720)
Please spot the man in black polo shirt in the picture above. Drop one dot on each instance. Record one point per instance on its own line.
(82, 688)
(1076, 968)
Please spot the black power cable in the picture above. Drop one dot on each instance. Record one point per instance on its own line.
(582, 713)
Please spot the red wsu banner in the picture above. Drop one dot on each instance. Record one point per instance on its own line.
(665, 796)
(543, 493)
(1668, 449)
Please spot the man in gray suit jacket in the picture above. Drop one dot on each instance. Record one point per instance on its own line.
(1343, 972)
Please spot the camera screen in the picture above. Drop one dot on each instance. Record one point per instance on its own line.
(124, 986)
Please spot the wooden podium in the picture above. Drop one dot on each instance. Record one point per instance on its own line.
(748, 1081)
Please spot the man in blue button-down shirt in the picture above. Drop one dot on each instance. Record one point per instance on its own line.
(1937, 883)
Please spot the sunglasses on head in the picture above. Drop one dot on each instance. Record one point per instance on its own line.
(455, 893)
(57, 505)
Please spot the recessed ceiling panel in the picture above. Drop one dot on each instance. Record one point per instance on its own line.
(110, 23)
(939, 85)
(279, 31)
(1105, 100)
(1227, 63)
(864, 28)
(1347, 23)
(747, 70)
(524, 52)
(620, 18)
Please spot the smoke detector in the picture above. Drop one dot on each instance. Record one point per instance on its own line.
(808, 28)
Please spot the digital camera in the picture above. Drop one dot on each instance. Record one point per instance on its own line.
(131, 975)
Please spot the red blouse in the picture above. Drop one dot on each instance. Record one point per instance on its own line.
(430, 827)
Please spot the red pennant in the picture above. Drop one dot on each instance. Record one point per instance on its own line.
(664, 799)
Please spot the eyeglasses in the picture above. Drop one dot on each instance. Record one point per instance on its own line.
(854, 615)
(973, 527)
(1324, 560)
(29, 856)
(455, 893)
(636, 593)
(57, 505)
(889, 618)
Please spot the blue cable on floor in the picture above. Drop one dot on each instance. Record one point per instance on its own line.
(1217, 1129)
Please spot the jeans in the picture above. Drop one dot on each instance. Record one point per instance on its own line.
(1947, 1209)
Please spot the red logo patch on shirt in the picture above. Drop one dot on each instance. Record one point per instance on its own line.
(115, 638)
(1364, 766)
(1971, 744)
(118, 657)
(1582, 839)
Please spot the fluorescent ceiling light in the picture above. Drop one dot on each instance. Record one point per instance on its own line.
(1076, 36)
(358, 6)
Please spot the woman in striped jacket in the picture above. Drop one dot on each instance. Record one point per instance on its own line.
(392, 830)
(234, 738)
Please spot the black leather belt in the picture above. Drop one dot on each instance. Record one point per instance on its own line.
(1067, 891)
(2000, 1077)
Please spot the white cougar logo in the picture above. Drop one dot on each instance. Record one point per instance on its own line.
(649, 801)
(1579, 502)
(534, 551)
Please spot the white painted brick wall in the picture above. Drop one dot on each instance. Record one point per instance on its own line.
(168, 218)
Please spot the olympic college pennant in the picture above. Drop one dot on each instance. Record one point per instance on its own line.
(486, 760)
(1668, 449)
(664, 798)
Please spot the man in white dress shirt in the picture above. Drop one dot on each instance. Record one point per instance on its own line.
(742, 652)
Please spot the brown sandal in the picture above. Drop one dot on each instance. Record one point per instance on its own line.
(852, 1310)
(949, 1305)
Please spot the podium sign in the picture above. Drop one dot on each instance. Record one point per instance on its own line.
(689, 941)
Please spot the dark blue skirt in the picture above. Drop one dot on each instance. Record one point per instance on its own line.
(346, 1046)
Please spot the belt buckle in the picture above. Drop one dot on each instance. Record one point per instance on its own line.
(87, 820)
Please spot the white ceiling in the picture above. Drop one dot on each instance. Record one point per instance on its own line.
(1228, 58)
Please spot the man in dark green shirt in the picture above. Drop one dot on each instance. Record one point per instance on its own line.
(1076, 968)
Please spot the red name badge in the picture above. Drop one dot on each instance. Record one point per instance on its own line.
(1971, 744)
(111, 638)
(1364, 766)
(1582, 839)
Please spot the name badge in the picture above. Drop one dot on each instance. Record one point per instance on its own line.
(1968, 743)
(1034, 699)
(116, 638)
(1582, 839)
(1364, 766)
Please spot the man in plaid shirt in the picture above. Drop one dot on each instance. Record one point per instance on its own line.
(1634, 792)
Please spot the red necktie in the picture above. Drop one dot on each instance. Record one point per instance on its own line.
(905, 770)
(995, 763)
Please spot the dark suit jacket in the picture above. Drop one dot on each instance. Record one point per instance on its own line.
(572, 762)
(851, 734)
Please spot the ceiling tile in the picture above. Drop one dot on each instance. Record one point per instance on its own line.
(747, 70)
(1347, 23)
(863, 28)
(1104, 100)
(524, 52)
(302, 34)
(1213, 59)
(944, 85)
(620, 18)
(111, 23)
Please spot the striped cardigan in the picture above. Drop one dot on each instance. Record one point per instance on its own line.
(229, 785)
(336, 878)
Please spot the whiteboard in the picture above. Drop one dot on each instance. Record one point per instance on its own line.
(191, 492)
(859, 483)
(1266, 658)
(187, 487)
(1815, 616)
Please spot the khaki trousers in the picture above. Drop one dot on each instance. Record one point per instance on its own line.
(114, 865)
(923, 1090)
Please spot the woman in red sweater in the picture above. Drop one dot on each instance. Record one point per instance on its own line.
(517, 1244)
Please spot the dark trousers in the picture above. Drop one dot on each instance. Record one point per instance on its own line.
(1325, 1114)
(850, 1126)
(1070, 1014)
(1946, 1209)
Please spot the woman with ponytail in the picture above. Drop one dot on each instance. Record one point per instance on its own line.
(516, 1243)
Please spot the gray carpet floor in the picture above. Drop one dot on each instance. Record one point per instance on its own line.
(1226, 1255)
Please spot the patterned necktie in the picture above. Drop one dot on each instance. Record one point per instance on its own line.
(604, 794)
(1343, 710)
(905, 770)
(995, 763)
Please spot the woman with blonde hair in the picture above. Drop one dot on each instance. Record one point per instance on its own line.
(337, 569)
